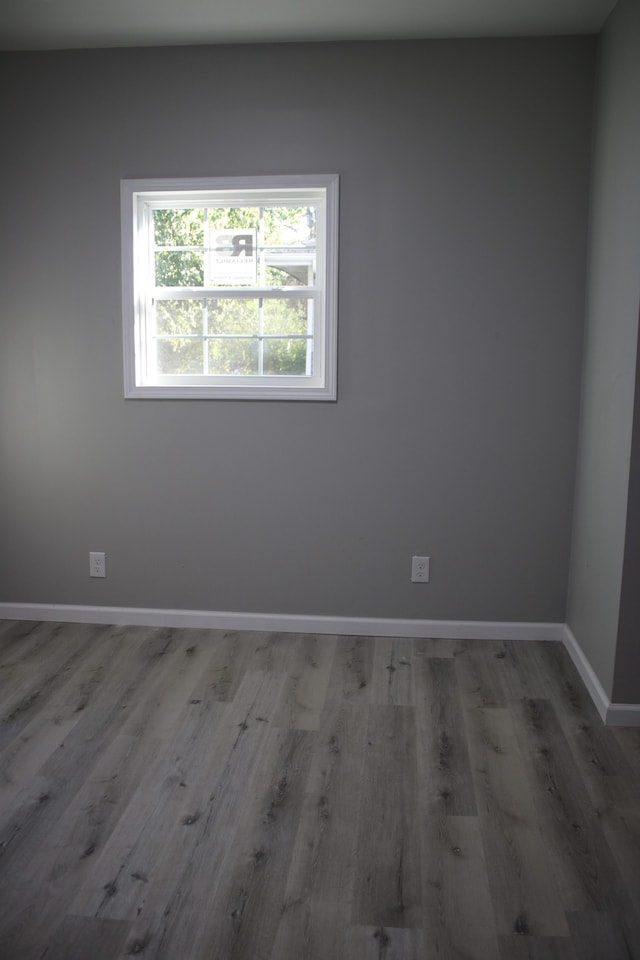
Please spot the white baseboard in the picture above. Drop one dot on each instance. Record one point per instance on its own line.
(285, 623)
(623, 715)
(613, 714)
(584, 668)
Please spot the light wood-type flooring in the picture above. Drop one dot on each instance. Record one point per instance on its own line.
(211, 795)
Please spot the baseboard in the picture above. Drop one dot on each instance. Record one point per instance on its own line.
(613, 714)
(285, 623)
(623, 715)
(584, 668)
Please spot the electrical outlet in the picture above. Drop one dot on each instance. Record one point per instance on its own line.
(97, 565)
(420, 569)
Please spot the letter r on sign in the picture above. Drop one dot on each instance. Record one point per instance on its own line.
(242, 245)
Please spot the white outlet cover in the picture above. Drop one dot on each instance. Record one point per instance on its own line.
(97, 564)
(420, 569)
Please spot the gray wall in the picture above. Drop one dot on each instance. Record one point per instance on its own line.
(609, 377)
(626, 680)
(464, 195)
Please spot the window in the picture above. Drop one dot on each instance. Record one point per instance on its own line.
(230, 287)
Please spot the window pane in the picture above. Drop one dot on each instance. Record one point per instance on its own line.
(232, 218)
(179, 316)
(285, 357)
(233, 357)
(292, 315)
(227, 316)
(179, 268)
(178, 228)
(290, 226)
(290, 246)
(284, 271)
(179, 356)
(232, 257)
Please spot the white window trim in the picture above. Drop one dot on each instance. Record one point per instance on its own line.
(322, 387)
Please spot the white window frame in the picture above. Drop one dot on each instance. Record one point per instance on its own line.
(138, 198)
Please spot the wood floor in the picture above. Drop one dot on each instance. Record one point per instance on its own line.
(186, 794)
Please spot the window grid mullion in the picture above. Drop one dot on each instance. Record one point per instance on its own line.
(205, 336)
(261, 278)
(233, 336)
(205, 302)
(150, 352)
(235, 293)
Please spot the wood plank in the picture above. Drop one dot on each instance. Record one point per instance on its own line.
(27, 916)
(316, 908)
(26, 644)
(92, 815)
(387, 887)
(479, 678)
(520, 671)
(445, 781)
(121, 870)
(621, 830)
(517, 947)
(582, 861)
(524, 895)
(21, 643)
(489, 649)
(170, 912)
(36, 809)
(602, 764)
(231, 654)
(56, 652)
(351, 672)
(439, 648)
(182, 789)
(597, 752)
(383, 943)
(556, 790)
(273, 652)
(252, 882)
(62, 863)
(8, 631)
(600, 935)
(102, 647)
(234, 851)
(458, 914)
(561, 683)
(27, 754)
(628, 738)
(59, 710)
(51, 875)
(393, 672)
(305, 689)
(80, 937)
(159, 705)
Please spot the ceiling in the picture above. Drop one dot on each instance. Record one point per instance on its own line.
(67, 24)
